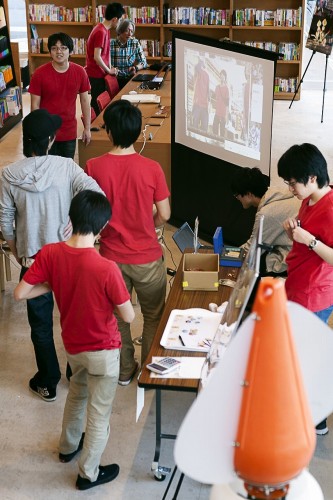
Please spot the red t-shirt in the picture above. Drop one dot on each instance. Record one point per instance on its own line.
(201, 91)
(58, 93)
(87, 287)
(132, 184)
(98, 38)
(310, 278)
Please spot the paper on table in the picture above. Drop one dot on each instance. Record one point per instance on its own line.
(190, 367)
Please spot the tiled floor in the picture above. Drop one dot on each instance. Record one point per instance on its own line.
(29, 468)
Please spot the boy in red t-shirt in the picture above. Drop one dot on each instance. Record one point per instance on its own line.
(88, 288)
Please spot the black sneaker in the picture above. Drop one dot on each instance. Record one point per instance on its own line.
(321, 428)
(45, 393)
(65, 458)
(106, 474)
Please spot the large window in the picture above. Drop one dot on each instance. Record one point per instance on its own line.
(18, 24)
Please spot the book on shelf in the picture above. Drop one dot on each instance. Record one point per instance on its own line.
(34, 32)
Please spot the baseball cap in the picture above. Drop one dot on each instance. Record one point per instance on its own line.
(40, 124)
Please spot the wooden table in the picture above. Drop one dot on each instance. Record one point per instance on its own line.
(158, 148)
(178, 299)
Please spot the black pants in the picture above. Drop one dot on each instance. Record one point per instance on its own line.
(97, 87)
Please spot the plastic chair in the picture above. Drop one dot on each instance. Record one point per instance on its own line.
(103, 100)
(112, 85)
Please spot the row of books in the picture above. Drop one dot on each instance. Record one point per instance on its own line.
(285, 84)
(197, 16)
(279, 17)
(143, 15)
(54, 13)
(151, 48)
(39, 46)
(6, 76)
(4, 49)
(290, 51)
(10, 104)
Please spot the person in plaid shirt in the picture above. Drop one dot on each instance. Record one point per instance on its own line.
(126, 52)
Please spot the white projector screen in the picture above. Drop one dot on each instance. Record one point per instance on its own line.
(224, 103)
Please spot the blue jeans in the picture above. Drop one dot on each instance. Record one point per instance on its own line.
(324, 314)
(40, 317)
(63, 148)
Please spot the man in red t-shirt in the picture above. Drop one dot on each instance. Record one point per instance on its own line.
(221, 105)
(134, 185)
(98, 63)
(88, 288)
(55, 86)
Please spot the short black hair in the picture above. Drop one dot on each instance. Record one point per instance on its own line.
(301, 161)
(249, 180)
(123, 121)
(60, 37)
(114, 9)
(34, 147)
(89, 212)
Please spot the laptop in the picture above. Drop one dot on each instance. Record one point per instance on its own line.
(143, 77)
(158, 80)
(184, 238)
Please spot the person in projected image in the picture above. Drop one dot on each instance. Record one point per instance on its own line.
(222, 105)
(200, 97)
(251, 188)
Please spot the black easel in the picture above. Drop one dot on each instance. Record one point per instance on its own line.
(324, 88)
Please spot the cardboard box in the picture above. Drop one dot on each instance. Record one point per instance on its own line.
(200, 271)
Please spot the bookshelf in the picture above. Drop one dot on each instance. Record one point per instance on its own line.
(217, 19)
(10, 92)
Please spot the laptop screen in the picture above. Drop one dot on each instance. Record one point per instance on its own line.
(184, 237)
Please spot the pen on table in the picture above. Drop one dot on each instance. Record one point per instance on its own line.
(182, 341)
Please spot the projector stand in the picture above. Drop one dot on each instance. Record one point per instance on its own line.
(324, 88)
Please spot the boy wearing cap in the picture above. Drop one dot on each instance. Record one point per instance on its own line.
(88, 288)
(35, 194)
(55, 86)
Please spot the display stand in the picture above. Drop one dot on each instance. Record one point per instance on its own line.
(324, 87)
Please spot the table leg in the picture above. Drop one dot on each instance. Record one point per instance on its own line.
(159, 471)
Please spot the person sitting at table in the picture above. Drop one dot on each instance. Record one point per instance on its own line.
(251, 188)
(126, 52)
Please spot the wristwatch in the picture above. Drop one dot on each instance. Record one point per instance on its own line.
(137, 68)
(313, 243)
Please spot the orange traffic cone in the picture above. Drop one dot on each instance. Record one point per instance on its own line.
(276, 436)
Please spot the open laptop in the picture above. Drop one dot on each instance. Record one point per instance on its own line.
(143, 77)
(184, 238)
(158, 80)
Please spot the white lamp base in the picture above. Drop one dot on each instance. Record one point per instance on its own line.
(304, 487)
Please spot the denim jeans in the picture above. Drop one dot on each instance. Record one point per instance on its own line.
(63, 148)
(324, 314)
(40, 317)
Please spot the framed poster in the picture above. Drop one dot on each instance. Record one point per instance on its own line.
(320, 36)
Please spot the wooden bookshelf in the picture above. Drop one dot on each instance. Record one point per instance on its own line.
(157, 31)
(7, 54)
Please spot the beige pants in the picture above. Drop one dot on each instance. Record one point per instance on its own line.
(149, 282)
(91, 390)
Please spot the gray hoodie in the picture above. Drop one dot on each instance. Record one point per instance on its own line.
(35, 196)
(276, 206)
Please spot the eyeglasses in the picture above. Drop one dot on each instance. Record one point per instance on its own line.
(62, 48)
(291, 184)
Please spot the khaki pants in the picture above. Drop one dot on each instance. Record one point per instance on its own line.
(92, 389)
(149, 282)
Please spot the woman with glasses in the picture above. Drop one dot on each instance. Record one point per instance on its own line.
(310, 262)
(126, 52)
(55, 86)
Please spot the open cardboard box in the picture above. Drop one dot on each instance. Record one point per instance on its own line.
(200, 271)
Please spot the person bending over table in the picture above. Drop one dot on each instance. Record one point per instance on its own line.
(126, 52)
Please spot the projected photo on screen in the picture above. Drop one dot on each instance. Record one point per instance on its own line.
(224, 103)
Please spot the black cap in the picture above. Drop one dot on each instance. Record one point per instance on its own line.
(40, 124)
